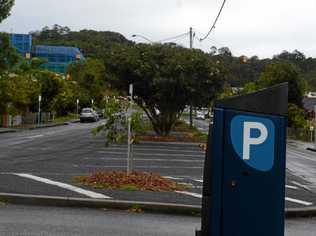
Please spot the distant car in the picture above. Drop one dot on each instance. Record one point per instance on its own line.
(88, 114)
(200, 115)
(100, 113)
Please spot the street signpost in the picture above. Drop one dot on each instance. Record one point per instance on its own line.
(129, 132)
(244, 174)
(39, 109)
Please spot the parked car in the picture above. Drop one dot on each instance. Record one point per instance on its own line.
(88, 114)
(100, 113)
(200, 115)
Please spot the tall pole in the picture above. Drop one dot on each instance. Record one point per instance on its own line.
(77, 108)
(315, 125)
(39, 110)
(191, 108)
(129, 134)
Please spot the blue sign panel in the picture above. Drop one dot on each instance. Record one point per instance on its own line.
(253, 139)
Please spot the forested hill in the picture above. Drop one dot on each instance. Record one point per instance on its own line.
(92, 43)
(97, 44)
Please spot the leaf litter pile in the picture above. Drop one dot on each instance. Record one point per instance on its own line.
(136, 180)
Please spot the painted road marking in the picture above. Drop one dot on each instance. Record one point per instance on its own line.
(299, 156)
(199, 180)
(141, 167)
(301, 185)
(298, 201)
(35, 136)
(291, 187)
(154, 154)
(152, 149)
(190, 194)
(145, 159)
(173, 178)
(64, 186)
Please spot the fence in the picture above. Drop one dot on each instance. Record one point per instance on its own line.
(28, 119)
(305, 135)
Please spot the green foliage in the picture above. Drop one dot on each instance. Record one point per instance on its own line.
(281, 72)
(90, 78)
(165, 79)
(115, 127)
(296, 116)
(8, 56)
(5, 8)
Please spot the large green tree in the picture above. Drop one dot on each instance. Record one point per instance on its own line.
(8, 56)
(165, 78)
(5, 8)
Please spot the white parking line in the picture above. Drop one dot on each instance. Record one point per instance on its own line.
(173, 178)
(291, 187)
(298, 201)
(199, 180)
(190, 194)
(64, 186)
(35, 136)
(301, 185)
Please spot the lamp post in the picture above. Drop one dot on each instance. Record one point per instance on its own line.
(143, 37)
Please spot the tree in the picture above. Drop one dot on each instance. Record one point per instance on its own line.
(5, 8)
(281, 72)
(166, 78)
(8, 56)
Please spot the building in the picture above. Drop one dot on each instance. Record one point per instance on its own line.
(309, 103)
(22, 44)
(57, 58)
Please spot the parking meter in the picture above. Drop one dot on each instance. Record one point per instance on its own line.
(244, 174)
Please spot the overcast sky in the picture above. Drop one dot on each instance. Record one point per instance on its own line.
(247, 27)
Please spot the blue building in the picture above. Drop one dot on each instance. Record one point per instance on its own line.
(57, 57)
(22, 44)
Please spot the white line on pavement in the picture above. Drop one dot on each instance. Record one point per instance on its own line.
(299, 156)
(173, 178)
(154, 154)
(298, 201)
(291, 187)
(64, 186)
(146, 159)
(199, 180)
(141, 167)
(190, 194)
(35, 136)
(301, 185)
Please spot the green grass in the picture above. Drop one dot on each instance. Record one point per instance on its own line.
(63, 119)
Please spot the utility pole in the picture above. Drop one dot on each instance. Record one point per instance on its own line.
(77, 108)
(129, 134)
(315, 126)
(191, 108)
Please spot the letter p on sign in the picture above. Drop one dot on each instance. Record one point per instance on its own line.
(248, 140)
(253, 139)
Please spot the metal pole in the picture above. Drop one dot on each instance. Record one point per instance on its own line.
(39, 110)
(77, 108)
(129, 133)
(191, 108)
(315, 126)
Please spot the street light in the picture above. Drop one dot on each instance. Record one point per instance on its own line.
(143, 37)
(77, 107)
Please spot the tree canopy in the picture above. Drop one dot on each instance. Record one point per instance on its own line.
(165, 78)
(5, 8)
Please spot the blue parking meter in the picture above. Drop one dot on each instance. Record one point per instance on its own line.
(244, 174)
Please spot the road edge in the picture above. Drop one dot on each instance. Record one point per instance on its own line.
(154, 207)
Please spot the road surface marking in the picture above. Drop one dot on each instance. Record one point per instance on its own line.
(141, 167)
(146, 159)
(152, 149)
(190, 194)
(299, 155)
(35, 136)
(173, 178)
(154, 154)
(291, 187)
(298, 201)
(64, 186)
(301, 185)
(199, 180)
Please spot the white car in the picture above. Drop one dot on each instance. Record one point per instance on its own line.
(200, 115)
(88, 114)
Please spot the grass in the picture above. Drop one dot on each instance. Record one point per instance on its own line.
(135, 181)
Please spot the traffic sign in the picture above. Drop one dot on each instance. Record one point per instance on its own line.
(244, 173)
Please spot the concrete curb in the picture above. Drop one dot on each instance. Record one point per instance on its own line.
(155, 207)
(7, 131)
(44, 200)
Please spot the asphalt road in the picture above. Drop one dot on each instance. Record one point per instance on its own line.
(32, 220)
(45, 161)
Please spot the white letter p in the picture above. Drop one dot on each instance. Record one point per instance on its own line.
(248, 126)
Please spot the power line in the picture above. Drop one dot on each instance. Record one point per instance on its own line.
(216, 19)
(173, 38)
